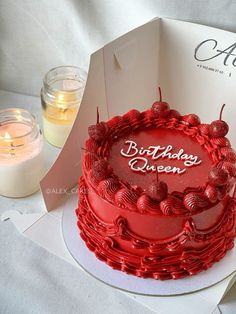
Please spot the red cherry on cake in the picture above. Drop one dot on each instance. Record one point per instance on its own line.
(157, 190)
(218, 176)
(97, 131)
(192, 119)
(219, 128)
(161, 108)
(100, 169)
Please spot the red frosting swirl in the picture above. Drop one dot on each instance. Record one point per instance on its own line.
(119, 126)
(211, 192)
(221, 141)
(170, 258)
(193, 201)
(229, 167)
(126, 198)
(204, 128)
(146, 204)
(107, 188)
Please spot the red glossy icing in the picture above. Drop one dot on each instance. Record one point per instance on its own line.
(194, 176)
(187, 252)
(148, 225)
(189, 230)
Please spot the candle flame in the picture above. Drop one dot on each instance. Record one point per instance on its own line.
(60, 97)
(61, 102)
(7, 143)
(7, 136)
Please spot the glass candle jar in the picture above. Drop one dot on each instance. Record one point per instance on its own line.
(61, 96)
(21, 158)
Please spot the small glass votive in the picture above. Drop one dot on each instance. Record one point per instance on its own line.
(61, 96)
(21, 157)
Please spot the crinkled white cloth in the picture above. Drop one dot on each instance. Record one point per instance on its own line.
(32, 280)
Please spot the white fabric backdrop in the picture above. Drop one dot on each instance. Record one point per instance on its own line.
(45, 284)
(36, 35)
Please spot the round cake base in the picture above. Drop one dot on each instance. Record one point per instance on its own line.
(100, 270)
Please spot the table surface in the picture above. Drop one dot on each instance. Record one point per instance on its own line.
(35, 204)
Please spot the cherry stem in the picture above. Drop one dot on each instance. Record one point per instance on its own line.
(160, 94)
(88, 151)
(85, 149)
(221, 111)
(97, 115)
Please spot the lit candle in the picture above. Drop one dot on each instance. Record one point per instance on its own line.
(61, 96)
(21, 157)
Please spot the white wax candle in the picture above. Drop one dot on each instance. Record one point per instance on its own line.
(21, 160)
(56, 133)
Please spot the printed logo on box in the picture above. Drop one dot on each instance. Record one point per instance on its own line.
(210, 49)
(212, 44)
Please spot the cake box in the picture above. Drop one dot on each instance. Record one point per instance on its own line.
(195, 66)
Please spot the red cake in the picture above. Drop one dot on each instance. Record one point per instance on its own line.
(156, 195)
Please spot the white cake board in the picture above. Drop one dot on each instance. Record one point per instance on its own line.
(100, 270)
